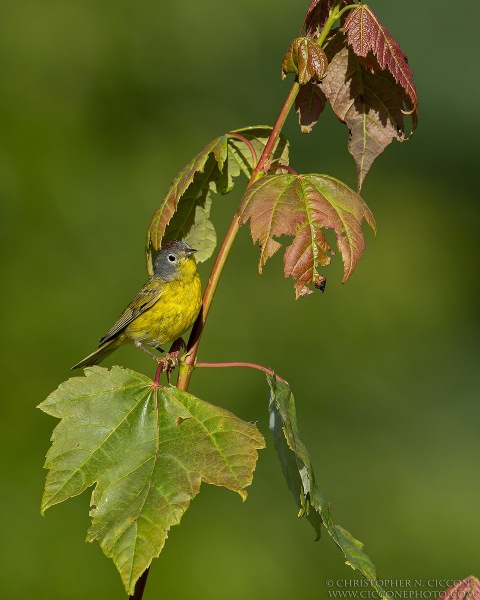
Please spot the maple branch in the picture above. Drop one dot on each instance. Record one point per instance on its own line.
(187, 363)
(263, 163)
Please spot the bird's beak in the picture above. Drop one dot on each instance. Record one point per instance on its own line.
(189, 252)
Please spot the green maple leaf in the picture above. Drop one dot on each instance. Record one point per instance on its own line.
(146, 449)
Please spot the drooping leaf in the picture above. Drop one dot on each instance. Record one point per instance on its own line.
(370, 102)
(216, 150)
(306, 59)
(467, 589)
(298, 471)
(309, 104)
(301, 206)
(367, 34)
(317, 15)
(146, 450)
(192, 185)
(184, 212)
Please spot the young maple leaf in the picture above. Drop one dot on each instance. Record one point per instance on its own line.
(306, 59)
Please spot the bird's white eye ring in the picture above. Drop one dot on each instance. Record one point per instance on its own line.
(172, 257)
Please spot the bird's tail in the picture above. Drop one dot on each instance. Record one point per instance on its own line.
(95, 357)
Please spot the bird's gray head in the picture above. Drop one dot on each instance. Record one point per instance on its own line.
(169, 259)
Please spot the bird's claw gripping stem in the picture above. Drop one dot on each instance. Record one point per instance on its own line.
(169, 361)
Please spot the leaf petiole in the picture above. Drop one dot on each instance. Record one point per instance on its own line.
(221, 365)
(334, 15)
(345, 9)
(284, 167)
(247, 143)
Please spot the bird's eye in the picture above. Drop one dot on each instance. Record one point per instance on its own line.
(172, 257)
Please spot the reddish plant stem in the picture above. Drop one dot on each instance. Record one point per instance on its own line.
(186, 367)
(221, 365)
(285, 167)
(247, 143)
(263, 163)
(158, 372)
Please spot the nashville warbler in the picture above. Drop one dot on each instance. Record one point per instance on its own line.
(165, 307)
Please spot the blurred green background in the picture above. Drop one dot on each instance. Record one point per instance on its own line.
(101, 104)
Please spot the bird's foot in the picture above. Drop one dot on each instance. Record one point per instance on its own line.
(170, 361)
(165, 364)
(171, 357)
(147, 351)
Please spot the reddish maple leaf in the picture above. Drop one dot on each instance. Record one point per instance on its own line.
(303, 205)
(367, 34)
(370, 102)
(309, 104)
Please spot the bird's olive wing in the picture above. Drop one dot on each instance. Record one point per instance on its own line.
(146, 298)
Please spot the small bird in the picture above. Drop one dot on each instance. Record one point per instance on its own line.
(165, 307)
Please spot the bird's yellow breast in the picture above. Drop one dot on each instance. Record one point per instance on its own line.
(174, 312)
